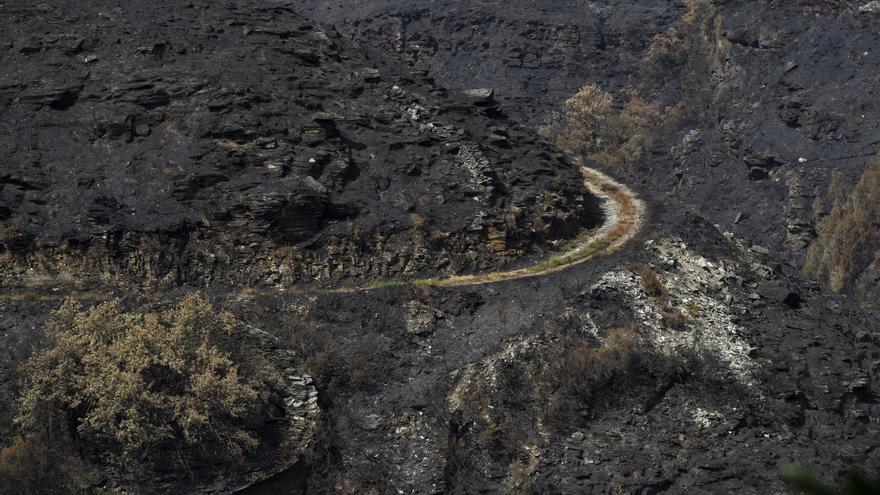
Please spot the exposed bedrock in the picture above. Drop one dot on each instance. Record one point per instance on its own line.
(240, 143)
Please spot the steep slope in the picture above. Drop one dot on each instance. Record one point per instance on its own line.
(240, 143)
(686, 364)
(759, 106)
(689, 361)
(535, 53)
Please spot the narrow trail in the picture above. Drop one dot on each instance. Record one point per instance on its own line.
(624, 212)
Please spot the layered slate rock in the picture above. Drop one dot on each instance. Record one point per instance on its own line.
(239, 143)
(536, 53)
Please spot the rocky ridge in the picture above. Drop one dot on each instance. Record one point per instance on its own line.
(240, 143)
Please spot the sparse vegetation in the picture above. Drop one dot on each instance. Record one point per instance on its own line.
(579, 370)
(134, 385)
(686, 58)
(848, 239)
(591, 127)
(32, 465)
(386, 284)
(856, 483)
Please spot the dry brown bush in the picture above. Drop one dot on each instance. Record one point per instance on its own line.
(578, 371)
(848, 237)
(32, 465)
(674, 318)
(691, 54)
(590, 126)
(652, 284)
(134, 385)
(363, 371)
(582, 129)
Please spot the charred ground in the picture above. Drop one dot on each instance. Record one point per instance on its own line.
(697, 359)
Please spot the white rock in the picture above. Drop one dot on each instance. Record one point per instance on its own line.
(871, 7)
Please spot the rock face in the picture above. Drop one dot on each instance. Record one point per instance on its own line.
(206, 143)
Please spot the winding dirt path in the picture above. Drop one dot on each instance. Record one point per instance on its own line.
(624, 213)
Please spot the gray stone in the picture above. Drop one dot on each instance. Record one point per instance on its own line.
(480, 95)
(669, 263)
(760, 250)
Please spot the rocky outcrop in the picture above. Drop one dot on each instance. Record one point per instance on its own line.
(729, 367)
(240, 143)
(535, 54)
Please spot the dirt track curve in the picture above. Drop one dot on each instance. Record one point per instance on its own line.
(624, 213)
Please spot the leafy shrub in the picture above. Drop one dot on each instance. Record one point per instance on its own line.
(137, 384)
(848, 238)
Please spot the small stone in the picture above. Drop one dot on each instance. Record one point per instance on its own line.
(370, 74)
(760, 250)
(480, 95)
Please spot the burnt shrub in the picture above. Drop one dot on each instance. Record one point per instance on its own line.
(34, 465)
(579, 371)
(848, 237)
